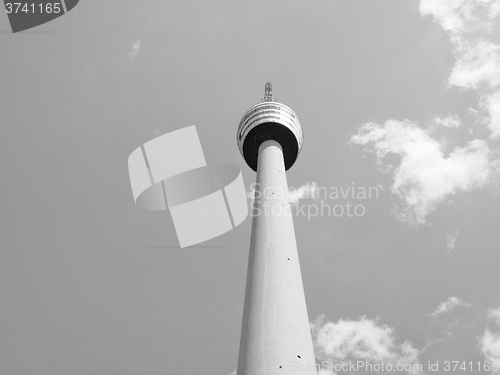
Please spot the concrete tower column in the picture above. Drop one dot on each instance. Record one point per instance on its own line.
(275, 336)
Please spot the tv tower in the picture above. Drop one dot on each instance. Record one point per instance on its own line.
(275, 334)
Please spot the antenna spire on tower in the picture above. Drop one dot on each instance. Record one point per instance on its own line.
(268, 95)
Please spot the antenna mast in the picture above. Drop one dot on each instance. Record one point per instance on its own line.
(268, 95)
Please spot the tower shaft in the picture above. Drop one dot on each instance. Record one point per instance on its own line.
(275, 336)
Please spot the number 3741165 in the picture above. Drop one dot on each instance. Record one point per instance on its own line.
(32, 8)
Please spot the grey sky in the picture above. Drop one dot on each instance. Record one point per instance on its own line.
(90, 284)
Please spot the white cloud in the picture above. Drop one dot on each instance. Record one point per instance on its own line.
(135, 48)
(494, 315)
(449, 305)
(456, 16)
(232, 372)
(447, 13)
(363, 339)
(489, 342)
(491, 103)
(450, 121)
(307, 191)
(451, 239)
(425, 176)
(478, 64)
(490, 347)
(478, 68)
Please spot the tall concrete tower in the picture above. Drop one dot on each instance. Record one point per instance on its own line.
(275, 334)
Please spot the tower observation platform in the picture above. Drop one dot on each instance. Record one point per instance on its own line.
(270, 120)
